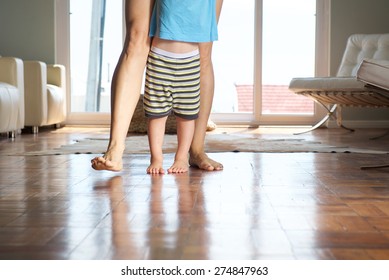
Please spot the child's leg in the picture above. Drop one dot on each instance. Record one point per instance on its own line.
(156, 132)
(185, 130)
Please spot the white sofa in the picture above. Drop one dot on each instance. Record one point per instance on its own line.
(11, 95)
(45, 94)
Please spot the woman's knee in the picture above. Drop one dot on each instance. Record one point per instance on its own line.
(137, 40)
(138, 14)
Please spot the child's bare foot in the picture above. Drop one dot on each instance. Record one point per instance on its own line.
(203, 162)
(179, 166)
(155, 167)
(110, 161)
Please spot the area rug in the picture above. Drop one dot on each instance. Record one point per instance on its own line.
(214, 143)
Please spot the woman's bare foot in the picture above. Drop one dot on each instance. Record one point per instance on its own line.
(155, 167)
(179, 166)
(202, 161)
(110, 161)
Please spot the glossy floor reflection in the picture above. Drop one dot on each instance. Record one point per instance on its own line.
(261, 206)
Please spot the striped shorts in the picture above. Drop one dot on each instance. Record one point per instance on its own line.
(172, 84)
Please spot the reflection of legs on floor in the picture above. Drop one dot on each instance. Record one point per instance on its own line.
(160, 234)
(124, 243)
(174, 218)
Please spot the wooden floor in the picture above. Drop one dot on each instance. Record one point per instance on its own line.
(262, 206)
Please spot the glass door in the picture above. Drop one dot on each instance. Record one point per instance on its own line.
(96, 39)
(262, 45)
(233, 58)
(288, 50)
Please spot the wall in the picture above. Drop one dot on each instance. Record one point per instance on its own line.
(357, 16)
(27, 29)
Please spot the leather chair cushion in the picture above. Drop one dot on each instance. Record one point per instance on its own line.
(55, 101)
(327, 83)
(374, 72)
(9, 107)
(359, 46)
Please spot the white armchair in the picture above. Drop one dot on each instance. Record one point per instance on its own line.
(11, 95)
(45, 94)
(345, 89)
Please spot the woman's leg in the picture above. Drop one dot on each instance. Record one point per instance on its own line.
(156, 133)
(185, 130)
(127, 81)
(197, 154)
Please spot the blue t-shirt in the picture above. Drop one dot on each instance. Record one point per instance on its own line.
(184, 20)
